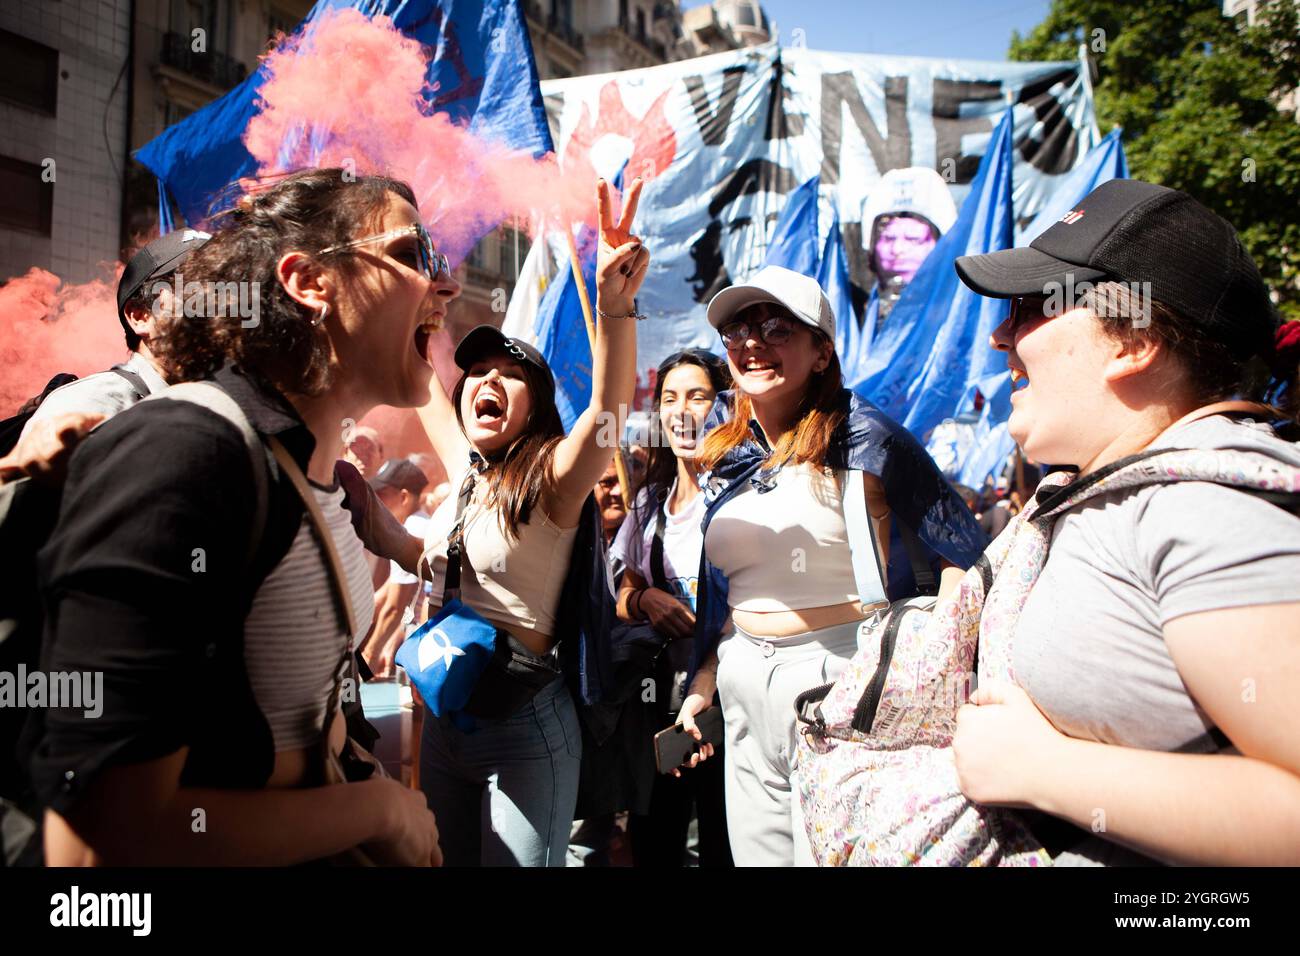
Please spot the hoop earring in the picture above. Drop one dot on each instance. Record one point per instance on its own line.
(324, 313)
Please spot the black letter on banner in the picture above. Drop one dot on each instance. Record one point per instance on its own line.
(780, 124)
(713, 123)
(892, 153)
(1056, 151)
(950, 126)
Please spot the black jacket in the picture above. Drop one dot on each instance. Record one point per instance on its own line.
(146, 580)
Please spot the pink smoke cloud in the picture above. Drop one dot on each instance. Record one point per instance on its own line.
(47, 328)
(347, 92)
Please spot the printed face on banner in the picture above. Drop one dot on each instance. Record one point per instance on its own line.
(902, 245)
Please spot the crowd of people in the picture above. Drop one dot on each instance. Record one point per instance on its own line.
(235, 555)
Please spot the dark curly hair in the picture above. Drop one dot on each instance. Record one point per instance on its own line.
(305, 211)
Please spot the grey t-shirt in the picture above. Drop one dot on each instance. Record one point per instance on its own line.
(1089, 647)
(105, 392)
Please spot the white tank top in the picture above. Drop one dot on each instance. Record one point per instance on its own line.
(785, 549)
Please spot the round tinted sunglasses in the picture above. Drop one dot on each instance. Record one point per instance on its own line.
(433, 264)
(774, 330)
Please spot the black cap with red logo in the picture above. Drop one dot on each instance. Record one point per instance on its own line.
(1125, 230)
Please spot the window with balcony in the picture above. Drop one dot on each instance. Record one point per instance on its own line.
(201, 54)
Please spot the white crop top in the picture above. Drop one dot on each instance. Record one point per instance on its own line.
(785, 549)
(514, 583)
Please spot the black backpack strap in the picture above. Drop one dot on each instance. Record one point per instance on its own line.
(657, 571)
(133, 379)
(921, 570)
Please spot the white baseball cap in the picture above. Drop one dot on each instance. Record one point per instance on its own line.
(798, 293)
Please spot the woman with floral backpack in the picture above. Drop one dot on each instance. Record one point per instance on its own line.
(793, 458)
(1144, 627)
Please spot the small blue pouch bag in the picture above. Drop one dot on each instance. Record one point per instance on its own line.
(447, 654)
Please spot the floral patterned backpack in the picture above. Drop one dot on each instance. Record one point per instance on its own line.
(875, 773)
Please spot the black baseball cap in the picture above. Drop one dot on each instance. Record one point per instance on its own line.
(489, 340)
(1129, 231)
(399, 473)
(157, 259)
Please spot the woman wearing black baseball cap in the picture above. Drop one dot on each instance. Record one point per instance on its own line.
(1152, 618)
(504, 792)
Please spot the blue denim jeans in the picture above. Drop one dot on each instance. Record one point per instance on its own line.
(504, 793)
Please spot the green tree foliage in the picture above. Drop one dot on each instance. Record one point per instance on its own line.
(1207, 105)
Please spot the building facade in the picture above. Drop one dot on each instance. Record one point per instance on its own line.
(63, 106)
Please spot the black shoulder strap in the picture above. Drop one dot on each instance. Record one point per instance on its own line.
(455, 537)
(657, 551)
(921, 571)
(133, 379)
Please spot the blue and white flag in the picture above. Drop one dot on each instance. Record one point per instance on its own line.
(795, 242)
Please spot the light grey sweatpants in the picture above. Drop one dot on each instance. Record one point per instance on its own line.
(758, 680)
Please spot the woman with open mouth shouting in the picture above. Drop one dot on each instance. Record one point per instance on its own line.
(781, 458)
(504, 791)
(207, 561)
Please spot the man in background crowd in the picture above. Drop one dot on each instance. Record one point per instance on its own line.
(399, 485)
(364, 449)
(144, 297)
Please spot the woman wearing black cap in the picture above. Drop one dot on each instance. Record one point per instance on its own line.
(1150, 616)
(504, 791)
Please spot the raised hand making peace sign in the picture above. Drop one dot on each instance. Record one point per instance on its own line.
(621, 259)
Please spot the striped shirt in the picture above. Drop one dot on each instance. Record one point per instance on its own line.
(293, 639)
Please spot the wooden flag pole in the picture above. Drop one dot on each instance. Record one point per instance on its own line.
(620, 466)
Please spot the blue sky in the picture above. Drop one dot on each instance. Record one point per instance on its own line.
(944, 28)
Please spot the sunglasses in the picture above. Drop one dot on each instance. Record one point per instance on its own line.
(774, 330)
(1025, 309)
(433, 264)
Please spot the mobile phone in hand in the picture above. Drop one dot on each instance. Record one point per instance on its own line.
(674, 745)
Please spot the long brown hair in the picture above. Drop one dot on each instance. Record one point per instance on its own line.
(518, 477)
(820, 413)
(307, 211)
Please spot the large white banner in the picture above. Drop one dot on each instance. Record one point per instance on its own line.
(725, 138)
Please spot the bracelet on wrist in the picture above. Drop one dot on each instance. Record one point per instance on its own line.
(638, 595)
(634, 314)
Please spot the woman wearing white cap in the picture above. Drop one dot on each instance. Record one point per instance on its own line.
(782, 450)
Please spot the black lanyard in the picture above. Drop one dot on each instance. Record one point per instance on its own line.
(456, 536)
